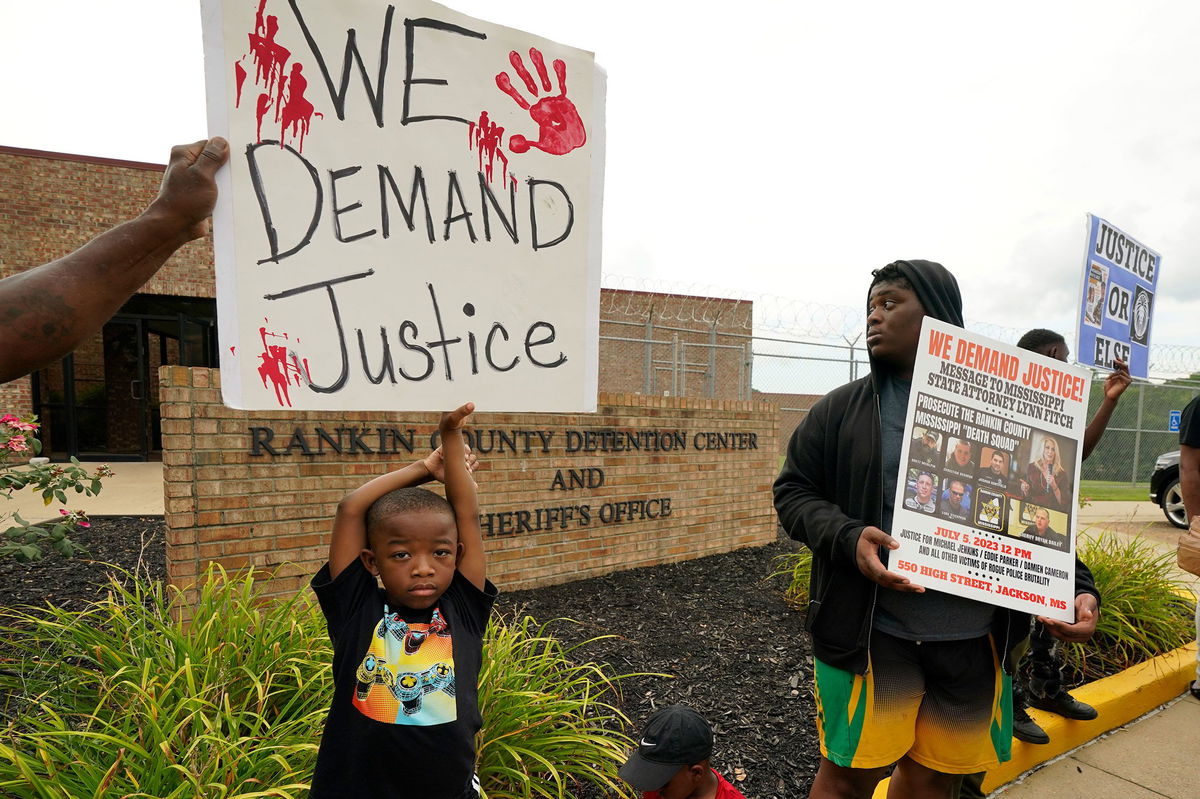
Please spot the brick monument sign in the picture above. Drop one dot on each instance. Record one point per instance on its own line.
(645, 480)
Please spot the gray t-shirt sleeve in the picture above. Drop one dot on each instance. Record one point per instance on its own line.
(933, 615)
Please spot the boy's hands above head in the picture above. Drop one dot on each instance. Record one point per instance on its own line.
(869, 563)
(1087, 613)
(455, 419)
(437, 465)
(460, 491)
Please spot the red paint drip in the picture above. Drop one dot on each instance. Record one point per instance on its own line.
(260, 110)
(276, 369)
(239, 76)
(278, 89)
(269, 56)
(488, 139)
(296, 110)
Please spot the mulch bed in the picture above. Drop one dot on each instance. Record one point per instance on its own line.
(130, 543)
(716, 625)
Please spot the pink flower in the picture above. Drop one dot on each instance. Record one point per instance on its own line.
(8, 418)
(85, 524)
(17, 444)
(64, 512)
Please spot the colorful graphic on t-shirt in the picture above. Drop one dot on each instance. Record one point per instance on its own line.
(407, 674)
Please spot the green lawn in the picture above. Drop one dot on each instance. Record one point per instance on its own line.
(1096, 490)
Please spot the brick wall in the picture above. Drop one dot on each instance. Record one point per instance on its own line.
(51, 204)
(699, 344)
(792, 410)
(54, 203)
(228, 505)
(16, 397)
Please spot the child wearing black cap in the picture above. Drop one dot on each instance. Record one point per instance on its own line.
(671, 761)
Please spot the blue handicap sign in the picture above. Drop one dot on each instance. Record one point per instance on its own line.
(1173, 421)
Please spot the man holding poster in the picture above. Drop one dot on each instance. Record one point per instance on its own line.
(922, 675)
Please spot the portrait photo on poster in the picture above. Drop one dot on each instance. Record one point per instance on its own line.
(1093, 308)
(993, 467)
(926, 448)
(1039, 525)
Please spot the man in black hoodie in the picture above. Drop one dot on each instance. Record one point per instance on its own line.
(901, 676)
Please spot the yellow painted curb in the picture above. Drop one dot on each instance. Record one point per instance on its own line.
(1118, 700)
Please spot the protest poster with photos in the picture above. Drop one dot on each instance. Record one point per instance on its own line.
(410, 217)
(986, 499)
(1120, 278)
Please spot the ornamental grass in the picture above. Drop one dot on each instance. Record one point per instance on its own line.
(549, 722)
(125, 700)
(797, 568)
(1145, 611)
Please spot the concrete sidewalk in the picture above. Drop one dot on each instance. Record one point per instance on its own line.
(1150, 758)
(135, 489)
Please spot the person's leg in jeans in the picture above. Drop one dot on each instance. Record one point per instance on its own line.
(1045, 686)
(1025, 728)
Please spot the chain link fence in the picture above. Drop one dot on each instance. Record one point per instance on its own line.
(699, 341)
(1139, 430)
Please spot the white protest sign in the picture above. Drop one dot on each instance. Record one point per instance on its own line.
(987, 494)
(1120, 279)
(410, 217)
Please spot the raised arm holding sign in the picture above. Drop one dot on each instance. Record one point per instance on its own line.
(51, 309)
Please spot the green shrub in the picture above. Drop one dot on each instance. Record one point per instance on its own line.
(796, 566)
(124, 700)
(21, 539)
(1144, 611)
(548, 724)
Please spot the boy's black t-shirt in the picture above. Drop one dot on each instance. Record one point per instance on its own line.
(405, 710)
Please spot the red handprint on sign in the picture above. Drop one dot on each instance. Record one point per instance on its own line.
(560, 128)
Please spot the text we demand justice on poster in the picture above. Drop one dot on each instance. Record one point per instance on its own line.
(986, 499)
(410, 217)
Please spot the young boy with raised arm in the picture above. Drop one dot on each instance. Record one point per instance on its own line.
(406, 656)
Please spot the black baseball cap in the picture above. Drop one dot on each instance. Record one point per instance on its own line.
(674, 737)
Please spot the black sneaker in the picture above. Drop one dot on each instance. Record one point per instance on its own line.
(1065, 705)
(1195, 689)
(1026, 729)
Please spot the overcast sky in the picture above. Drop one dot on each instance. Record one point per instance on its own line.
(777, 148)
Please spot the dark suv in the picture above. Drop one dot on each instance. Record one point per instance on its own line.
(1164, 488)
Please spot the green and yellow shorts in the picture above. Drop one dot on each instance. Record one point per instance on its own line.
(945, 704)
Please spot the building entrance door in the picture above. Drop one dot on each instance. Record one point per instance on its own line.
(101, 401)
(93, 404)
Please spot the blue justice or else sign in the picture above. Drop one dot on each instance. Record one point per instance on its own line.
(1117, 304)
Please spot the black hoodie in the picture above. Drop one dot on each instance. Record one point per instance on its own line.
(830, 488)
